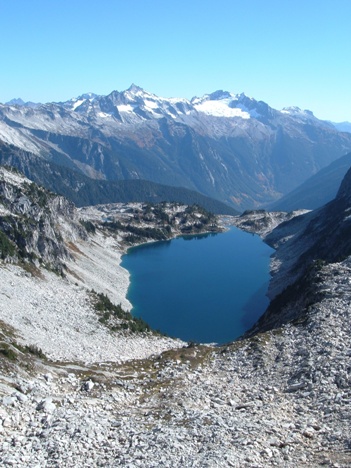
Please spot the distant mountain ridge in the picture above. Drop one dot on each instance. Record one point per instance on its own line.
(226, 146)
(20, 102)
(316, 191)
(83, 191)
(343, 126)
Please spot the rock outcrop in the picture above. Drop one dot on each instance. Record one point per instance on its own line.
(36, 222)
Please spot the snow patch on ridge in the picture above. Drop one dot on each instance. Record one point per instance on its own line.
(125, 108)
(77, 103)
(221, 109)
(151, 104)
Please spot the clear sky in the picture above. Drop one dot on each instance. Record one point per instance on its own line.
(284, 52)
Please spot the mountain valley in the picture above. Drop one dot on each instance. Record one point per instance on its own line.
(317, 190)
(78, 388)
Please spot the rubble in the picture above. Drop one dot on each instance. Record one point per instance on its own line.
(281, 398)
(278, 398)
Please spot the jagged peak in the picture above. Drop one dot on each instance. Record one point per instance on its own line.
(295, 110)
(133, 88)
(226, 104)
(88, 96)
(220, 94)
(133, 93)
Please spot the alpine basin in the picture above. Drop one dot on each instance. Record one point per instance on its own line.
(205, 288)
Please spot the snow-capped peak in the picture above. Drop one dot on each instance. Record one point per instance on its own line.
(136, 103)
(135, 89)
(225, 104)
(75, 102)
(135, 92)
(294, 110)
(88, 96)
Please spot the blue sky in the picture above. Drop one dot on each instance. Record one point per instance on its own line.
(283, 52)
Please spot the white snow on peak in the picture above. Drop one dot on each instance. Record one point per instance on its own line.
(125, 108)
(89, 96)
(224, 104)
(103, 115)
(177, 100)
(152, 104)
(294, 110)
(216, 96)
(77, 103)
(152, 100)
(157, 106)
(291, 110)
(136, 91)
(221, 109)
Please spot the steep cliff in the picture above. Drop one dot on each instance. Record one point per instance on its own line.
(305, 246)
(35, 224)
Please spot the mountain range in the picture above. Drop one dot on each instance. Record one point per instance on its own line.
(226, 146)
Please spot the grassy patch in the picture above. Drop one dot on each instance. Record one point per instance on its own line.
(7, 247)
(34, 350)
(32, 269)
(7, 352)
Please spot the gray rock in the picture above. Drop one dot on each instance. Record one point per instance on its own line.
(46, 405)
(9, 400)
(21, 397)
(88, 386)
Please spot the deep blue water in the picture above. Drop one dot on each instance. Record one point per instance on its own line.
(208, 288)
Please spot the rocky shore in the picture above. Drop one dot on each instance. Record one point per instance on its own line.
(282, 398)
(74, 393)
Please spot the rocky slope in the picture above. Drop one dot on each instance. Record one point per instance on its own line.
(56, 267)
(279, 397)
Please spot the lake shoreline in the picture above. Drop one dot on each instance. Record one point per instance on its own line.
(156, 292)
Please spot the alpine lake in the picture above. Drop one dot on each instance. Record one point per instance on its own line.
(207, 288)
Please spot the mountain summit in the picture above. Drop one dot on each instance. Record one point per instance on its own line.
(224, 145)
